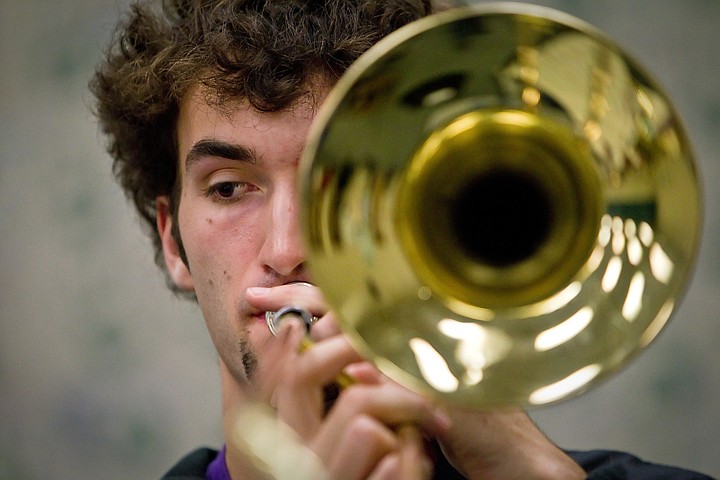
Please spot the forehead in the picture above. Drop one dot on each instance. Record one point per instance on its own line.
(237, 122)
(200, 109)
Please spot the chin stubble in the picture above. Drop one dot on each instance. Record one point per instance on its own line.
(249, 360)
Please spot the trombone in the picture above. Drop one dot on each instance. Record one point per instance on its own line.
(501, 206)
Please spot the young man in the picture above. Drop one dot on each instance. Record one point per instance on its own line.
(207, 106)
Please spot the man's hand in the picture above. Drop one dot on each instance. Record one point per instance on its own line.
(504, 444)
(376, 425)
(373, 430)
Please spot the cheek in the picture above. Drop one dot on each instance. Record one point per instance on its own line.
(219, 250)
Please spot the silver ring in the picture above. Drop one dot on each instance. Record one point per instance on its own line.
(273, 319)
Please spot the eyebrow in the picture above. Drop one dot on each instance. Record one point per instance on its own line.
(220, 149)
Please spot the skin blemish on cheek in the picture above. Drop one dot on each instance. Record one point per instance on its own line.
(209, 221)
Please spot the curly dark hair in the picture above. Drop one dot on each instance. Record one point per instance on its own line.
(267, 52)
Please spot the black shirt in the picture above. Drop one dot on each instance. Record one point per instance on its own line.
(600, 465)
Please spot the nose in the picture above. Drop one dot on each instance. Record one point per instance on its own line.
(283, 251)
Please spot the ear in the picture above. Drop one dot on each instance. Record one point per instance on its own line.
(178, 270)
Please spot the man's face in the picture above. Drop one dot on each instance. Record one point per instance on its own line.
(238, 218)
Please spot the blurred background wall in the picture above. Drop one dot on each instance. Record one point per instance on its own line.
(104, 374)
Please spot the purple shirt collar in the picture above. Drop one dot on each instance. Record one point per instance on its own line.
(217, 470)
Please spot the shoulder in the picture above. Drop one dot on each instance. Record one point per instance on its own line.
(608, 464)
(192, 466)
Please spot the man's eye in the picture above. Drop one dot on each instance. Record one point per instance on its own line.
(227, 191)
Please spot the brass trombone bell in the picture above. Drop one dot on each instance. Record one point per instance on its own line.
(500, 205)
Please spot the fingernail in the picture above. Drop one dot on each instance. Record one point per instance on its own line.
(258, 291)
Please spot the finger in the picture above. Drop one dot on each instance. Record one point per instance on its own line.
(358, 450)
(364, 372)
(325, 327)
(323, 361)
(302, 295)
(282, 351)
(388, 403)
(408, 461)
(413, 461)
(299, 394)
